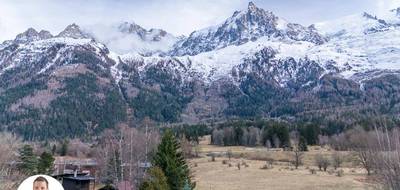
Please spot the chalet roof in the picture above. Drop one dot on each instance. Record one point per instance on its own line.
(80, 178)
(75, 161)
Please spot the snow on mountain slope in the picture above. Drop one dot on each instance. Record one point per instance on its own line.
(361, 43)
(352, 25)
(41, 53)
(392, 16)
(366, 43)
(32, 35)
(219, 63)
(242, 27)
(358, 44)
(73, 31)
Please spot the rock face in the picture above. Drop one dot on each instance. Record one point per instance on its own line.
(32, 35)
(73, 31)
(255, 64)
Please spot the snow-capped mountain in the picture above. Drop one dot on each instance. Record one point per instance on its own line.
(32, 35)
(353, 25)
(253, 64)
(242, 27)
(363, 42)
(42, 51)
(73, 31)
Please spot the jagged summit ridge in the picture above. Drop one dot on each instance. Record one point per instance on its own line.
(31, 35)
(147, 35)
(73, 31)
(242, 27)
(132, 28)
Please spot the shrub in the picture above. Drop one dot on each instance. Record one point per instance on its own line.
(313, 171)
(340, 173)
(331, 171)
(337, 160)
(212, 157)
(322, 162)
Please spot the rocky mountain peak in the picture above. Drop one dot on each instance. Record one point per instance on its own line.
(146, 35)
(242, 27)
(252, 6)
(156, 34)
(367, 15)
(254, 16)
(132, 28)
(44, 34)
(31, 35)
(73, 31)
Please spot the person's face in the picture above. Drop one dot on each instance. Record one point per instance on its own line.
(39, 185)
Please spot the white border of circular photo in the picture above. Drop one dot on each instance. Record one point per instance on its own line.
(27, 184)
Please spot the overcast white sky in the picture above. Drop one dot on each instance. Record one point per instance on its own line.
(179, 17)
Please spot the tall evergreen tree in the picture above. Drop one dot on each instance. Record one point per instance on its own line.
(310, 132)
(64, 148)
(170, 159)
(28, 160)
(53, 149)
(302, 144)
(45, 163)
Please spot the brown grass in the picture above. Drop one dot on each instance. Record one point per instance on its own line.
(283, 176)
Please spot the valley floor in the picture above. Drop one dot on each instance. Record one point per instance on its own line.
(215, 175)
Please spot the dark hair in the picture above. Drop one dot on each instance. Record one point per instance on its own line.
(40, 178)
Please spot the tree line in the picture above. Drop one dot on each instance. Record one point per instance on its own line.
(272, 134)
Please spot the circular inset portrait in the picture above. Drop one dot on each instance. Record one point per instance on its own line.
(40, 182)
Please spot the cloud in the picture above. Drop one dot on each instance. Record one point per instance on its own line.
(382, 6)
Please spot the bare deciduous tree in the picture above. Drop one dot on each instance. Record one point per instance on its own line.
(322, 162)
(187, 147)
(360, 141)
(79, 149)
(337, 160)
(297, 157)
(120, 152)
(386, 156)
(9, 176)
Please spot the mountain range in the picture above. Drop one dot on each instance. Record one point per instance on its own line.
(254, 64)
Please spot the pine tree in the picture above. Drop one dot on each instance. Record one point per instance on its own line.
(170, 159)
(64, 148)
(28, 160)
(155, 181)
(302, 144)
(53, 149)
(45, 163)
(110, 174)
